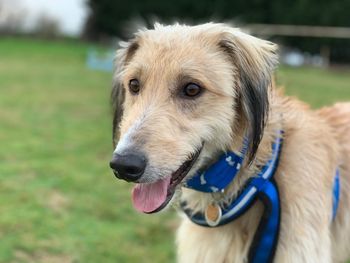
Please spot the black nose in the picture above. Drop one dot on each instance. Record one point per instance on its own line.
(129, 167)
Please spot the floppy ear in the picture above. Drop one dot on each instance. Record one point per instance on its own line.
(124, 54)
(254, 60)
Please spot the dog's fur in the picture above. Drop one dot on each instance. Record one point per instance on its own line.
(235, 69)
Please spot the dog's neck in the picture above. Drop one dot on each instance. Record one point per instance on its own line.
(199, 201)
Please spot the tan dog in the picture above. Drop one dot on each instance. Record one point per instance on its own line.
(184, 95)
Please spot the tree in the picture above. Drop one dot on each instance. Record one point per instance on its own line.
(12, 18)
(108, 17)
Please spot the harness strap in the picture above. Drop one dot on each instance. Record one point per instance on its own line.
(265, 239)
(336, 193)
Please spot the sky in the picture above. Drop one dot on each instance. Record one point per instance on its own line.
(70, 14)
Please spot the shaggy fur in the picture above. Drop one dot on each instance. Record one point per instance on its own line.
(239, 99)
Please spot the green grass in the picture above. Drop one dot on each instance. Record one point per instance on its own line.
(318, 87)
(59, 202)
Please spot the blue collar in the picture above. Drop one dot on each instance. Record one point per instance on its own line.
(218, 176)
(263, 187)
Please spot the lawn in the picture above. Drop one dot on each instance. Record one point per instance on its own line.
(59, 202)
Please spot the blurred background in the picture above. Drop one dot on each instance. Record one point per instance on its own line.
(59, 202)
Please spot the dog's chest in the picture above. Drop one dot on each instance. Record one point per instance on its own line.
(229, 243)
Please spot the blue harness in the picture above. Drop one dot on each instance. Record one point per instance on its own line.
(263, 187)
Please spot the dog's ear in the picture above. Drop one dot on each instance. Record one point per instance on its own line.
(124, 55)
(254, 60)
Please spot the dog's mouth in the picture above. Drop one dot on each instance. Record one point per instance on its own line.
(153, 197)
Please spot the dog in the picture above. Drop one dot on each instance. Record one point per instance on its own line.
(185, 95)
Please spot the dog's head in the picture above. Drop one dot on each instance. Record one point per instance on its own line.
(182, 93)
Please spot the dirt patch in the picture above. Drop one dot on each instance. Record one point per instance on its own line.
(41, 257)
(57, 202)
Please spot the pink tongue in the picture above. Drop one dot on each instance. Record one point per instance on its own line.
(149, 197)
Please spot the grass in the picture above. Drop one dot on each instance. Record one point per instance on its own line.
(318, 87)
(59, 202)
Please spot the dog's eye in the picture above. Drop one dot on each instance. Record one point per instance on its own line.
(191, 90)
(134, 86)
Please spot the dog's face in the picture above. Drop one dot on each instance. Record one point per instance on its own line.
(183, 93)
